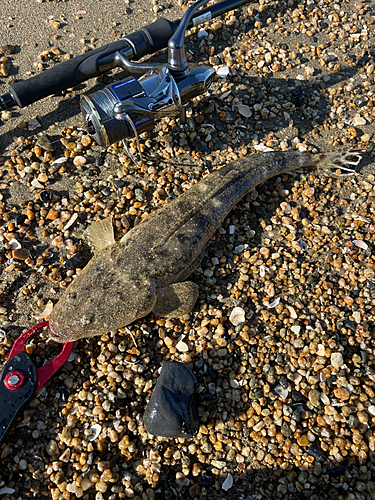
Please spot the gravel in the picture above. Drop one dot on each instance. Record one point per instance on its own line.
(286, 391)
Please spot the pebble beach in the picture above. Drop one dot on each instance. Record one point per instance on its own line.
(281, 339)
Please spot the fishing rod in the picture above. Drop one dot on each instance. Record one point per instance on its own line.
(127, 108)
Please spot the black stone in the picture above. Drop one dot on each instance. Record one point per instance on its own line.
(19, 220)
(297, 397)
(173, 407)
(118, 183)
(350, 324)
(316, 452)
(45, 196)
(106, 191)
(201, 146)
(73, 262)
(260, 210)
(99, 160)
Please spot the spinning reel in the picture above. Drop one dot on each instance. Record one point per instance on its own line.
(128, 108)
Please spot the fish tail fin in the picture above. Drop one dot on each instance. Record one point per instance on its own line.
(342, 160)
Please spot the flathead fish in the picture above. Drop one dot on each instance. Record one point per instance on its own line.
(147, 269)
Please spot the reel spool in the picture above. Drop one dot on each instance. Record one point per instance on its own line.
(98, 113)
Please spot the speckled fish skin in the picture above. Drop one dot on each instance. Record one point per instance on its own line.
(123, 281)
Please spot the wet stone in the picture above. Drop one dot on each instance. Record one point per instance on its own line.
(285, 430)
(45, 142)
(139, 194)
(353, 421)
(314, 397)
(173, 409)
(20, 254)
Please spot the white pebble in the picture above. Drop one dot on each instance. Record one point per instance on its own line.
(182, 347)
(223, 71)
(337, 360)
(79, 161)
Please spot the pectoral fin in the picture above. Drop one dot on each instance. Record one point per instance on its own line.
(101, 234)
(176, 300)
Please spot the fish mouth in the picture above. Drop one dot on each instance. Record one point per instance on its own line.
(60, 337)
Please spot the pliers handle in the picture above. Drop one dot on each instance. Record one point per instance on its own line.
(20, 379)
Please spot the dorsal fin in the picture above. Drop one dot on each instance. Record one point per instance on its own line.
(101, 234)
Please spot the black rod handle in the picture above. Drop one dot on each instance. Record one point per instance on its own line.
(79, 69)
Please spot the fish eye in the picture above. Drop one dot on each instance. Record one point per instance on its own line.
(87, 319)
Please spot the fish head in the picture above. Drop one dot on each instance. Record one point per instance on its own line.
(99, 301)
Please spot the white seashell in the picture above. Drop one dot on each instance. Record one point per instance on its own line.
(360, 217)
(244, 110)
(272, 304)
(35, 183)
(262, 271)
(228, 483)
(360, 244)
(234, 384)
(262, 148)
(321, 350)
(223, 96)
(6, 491)
(71, 221)
(283, 393)
(223, 71)
(359, 120)
(33, 124)
(96, 429)
(59, 160)
(325, 399)
(14, 244)
(237, 316)
(47, 311)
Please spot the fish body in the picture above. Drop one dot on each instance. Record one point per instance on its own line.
(147, 269)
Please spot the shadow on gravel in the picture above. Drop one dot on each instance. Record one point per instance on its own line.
(299, 93)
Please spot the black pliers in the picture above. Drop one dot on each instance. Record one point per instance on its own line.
(20, 379)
